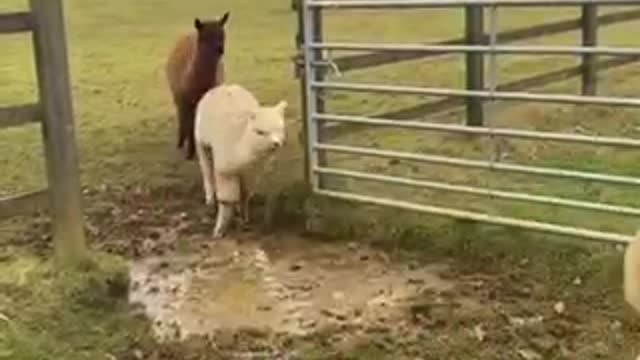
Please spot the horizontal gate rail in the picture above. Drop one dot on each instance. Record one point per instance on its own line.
(517, 85)
(498, 95)
(537, 50)
(23, 204)
(478, 164)
(15, 22)
(369, 60)
(501, 132)
(485, 218)
(500, 194)
(413, 4)
(19, 115)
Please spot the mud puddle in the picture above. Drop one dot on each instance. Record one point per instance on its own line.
(291, 286)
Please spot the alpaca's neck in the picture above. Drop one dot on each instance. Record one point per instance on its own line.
(246, 148)
(203, 71)
(246, 152)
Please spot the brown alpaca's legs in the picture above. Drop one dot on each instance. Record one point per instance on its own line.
(186, 127)
(190, 132)
(191, 148)
(183, 114)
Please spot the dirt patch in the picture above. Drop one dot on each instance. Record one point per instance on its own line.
(281, 284)
(285, 295)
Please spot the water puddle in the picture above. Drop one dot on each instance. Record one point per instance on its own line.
(295, 289)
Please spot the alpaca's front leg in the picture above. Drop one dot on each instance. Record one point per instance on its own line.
(206, 168)
(225, 214)
(228, 197)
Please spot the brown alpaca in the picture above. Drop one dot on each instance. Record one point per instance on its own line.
(194, 66)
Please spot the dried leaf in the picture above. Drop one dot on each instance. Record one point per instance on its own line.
(529, 354)
(559, 308)
(479, 333)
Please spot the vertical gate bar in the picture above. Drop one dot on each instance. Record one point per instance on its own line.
(304, 138)
(54, 87)
(492, 80)
(310, 97)
(589, 38)
(319, 74)
(474, 35)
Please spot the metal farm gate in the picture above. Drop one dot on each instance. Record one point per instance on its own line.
(314, 63)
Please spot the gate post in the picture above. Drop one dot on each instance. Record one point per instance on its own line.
(319, 75)
(474, 35)
(58, 131)
(589, 38)
(311, 28)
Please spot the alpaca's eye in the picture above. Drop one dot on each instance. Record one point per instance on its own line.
(261, 132)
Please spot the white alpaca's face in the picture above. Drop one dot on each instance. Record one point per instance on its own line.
(267, 128)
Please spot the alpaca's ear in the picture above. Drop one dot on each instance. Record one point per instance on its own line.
(224, 18)
(197, 23)
(282, 106)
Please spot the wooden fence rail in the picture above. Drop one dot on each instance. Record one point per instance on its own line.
(54, 112)
(15, 22)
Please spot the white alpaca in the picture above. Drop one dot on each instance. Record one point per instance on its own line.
(241, 135)
(632, 274)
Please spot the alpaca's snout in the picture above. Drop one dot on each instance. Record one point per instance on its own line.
(276, 143)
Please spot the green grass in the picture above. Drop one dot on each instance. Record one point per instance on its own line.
(125, 129)
(49, 314)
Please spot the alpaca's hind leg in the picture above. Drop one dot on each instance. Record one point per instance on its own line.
(190, 132)
(206, 169)
(181, 115)
(191, 147)
(186, 129)
(245, 196)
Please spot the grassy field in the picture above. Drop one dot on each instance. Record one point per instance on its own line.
(137, 182)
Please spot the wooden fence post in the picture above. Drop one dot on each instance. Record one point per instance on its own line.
(589, 38)
(52, 67)
(474, 35)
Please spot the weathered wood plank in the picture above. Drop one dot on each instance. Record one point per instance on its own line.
(474, 63)
(373, 59)
(15, 22)
(58, 131)
(23, 204)
(589, 38)
(19, 115)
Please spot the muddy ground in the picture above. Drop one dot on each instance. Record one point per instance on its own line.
(290, 295)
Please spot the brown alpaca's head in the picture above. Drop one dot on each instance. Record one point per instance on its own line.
(211, 36)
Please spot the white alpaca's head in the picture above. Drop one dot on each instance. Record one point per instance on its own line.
(266, 128)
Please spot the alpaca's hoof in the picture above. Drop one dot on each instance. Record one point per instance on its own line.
(218, 235)
(244, 226)
(210, 200)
